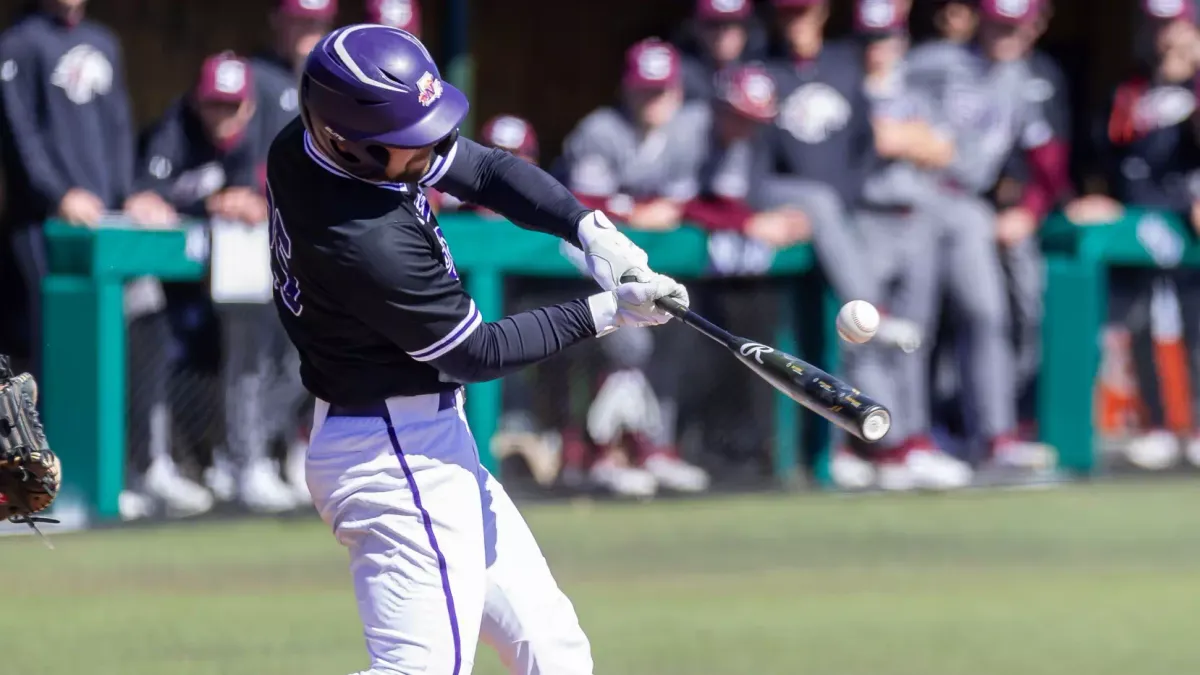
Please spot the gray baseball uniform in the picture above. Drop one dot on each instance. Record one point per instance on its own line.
(983, 106)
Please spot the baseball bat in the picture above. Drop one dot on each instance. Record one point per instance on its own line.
(801, 381)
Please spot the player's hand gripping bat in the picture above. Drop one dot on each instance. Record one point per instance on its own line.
(803, 382)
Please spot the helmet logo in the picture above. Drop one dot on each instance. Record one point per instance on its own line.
(429, 89)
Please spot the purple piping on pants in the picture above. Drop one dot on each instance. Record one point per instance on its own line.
(441, 559)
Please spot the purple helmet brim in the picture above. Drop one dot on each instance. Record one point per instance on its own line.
(445, 115)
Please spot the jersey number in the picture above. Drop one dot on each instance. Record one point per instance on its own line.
(281, 254)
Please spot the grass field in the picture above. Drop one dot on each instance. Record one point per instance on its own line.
(1096, 580)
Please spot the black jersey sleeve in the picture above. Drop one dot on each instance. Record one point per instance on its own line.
(512, 187)
(402, 286)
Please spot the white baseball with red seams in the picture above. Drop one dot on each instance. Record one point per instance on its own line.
(857, 321)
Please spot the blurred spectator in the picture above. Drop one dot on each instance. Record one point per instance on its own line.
(956, 20)
(296, 27)
(201, 156)
(402, 14)
(725, 33)
(901, 243)
(979, 93)
(1145, 154)
(67, 140)
(634, 162)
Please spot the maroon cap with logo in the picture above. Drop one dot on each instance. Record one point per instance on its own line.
(750, 91)
(880, 17)
(511, 133)
(723, 10)
(402, 14)
(1012, 12)
(1170, 10)
(225, 78)
(651, 64)
(311, 9)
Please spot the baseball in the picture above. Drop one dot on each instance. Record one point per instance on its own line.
(857, 321)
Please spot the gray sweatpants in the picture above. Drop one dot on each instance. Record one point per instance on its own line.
(972, 275)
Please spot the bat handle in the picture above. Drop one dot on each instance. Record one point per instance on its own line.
(670, 305)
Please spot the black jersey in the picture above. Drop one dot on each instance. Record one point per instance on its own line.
(366, 285)
(367, 289)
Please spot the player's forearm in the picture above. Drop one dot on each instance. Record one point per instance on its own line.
(512, 187)
(1051, 178)
(501, 347)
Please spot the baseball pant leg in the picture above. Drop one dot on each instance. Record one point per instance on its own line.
(834, 234)
(149, 372)
(246, 375)
(527, 619)
(29, 252)
(1025, 269)
(403, 495)
(974, 281)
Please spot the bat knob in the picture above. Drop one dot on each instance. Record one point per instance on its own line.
(876, 425)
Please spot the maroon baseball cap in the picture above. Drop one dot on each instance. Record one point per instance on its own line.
(511, 133)
(1170, 10)
(720, 11)
(750, 91)
(309, 9)
(880, 17)
(402, 14)
(651, 64)
(1011, 12)
(225, 78)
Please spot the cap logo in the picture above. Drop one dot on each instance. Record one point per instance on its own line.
(230, 77)
(728, 6)
(877, 13)
(314, 5)
(1165, 9)
(1013, 9)
(759, 88)
(429, 89)
(509, 132)
(654, 63)
(396, 12)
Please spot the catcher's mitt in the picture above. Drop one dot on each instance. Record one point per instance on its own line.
(29, 471)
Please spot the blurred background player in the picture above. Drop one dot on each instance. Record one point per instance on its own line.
(202, 158)
(956, 20)
(634, 162)
(1144, 154)
(901, 243)
(67, 143)
(722, 33)
(402, 14)
(979, 95)
(296, 26)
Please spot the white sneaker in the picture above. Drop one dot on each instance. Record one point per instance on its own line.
(1154, 451)
(180, 496)
(624, 481)
(220, 479)
(261, 490)
(1024, 455)
(134, 505)
(925, 469)
(673, 473)
(1193, 451)
(900, 333)
(297, 455)
(849, 471)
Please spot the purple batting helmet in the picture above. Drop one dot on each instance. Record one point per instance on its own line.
(368, 87)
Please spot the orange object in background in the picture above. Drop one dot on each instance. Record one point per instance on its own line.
(1170, 358)
(1119, 408)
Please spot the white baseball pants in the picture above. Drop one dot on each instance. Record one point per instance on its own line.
(439, 555)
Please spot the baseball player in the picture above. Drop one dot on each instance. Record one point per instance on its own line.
(979, 95)
(67, 139)
(402, 14)
(1144, 153)
(296, 26)
(902, 245)
(636, 160)
(367, 289)
(956, 20)
(725, 33)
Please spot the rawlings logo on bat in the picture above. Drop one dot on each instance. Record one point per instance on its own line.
(756, 350)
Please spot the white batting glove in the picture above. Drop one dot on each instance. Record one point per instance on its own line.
(609, 254)
(632, 303)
